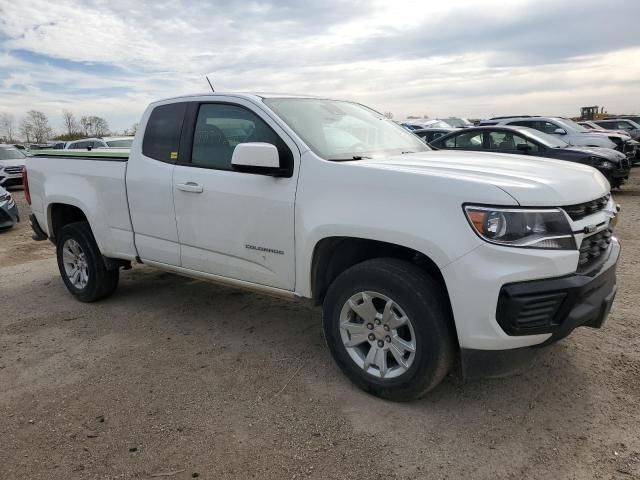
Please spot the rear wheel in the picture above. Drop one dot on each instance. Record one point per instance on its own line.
(81, 265)
(388, 327)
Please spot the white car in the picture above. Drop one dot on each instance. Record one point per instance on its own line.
(415, 255)
(12, 161)
(103, 142)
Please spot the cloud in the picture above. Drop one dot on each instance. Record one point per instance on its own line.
(450, 58)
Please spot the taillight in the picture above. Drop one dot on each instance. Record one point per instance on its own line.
(25, 184)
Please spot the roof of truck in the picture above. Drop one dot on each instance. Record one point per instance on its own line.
(248, 96)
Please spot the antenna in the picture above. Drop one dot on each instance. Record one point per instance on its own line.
(207, 77)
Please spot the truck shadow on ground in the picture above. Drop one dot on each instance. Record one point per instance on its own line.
(279, 330)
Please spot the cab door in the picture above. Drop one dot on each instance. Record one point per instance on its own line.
(150, 185)
(234, 224)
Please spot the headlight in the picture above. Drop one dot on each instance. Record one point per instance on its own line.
(521, 227)
(5, 197)
(600, 162)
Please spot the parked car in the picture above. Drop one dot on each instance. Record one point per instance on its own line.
(635, 118)
(457, 122)
(614, 165)
(9, 215)
(591, 125)
(105, 142)
(415, 255)
(119, 142)
(12, 162)
(431, 134)
(38, 146)
(425, 123)
(57, 145)
(411, 126)
(627, 125)
(632, 147)
(570, 131)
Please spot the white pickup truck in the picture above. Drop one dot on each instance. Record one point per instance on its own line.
(415, 255)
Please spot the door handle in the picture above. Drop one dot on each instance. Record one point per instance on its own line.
(190, 187)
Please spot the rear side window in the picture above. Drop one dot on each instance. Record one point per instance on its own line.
(508, 141)
(466, 141)
(162, 135)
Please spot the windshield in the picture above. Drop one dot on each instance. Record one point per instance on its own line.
(571, 125)
(337, 130)
(120, 143)
(11, 153)
(549, 141)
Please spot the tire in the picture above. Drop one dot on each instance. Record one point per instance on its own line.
(416, 298)
(92, 281)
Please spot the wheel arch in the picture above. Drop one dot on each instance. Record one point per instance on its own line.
(60, 214)
(333, 255)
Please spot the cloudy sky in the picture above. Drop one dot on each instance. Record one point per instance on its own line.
(454, 57)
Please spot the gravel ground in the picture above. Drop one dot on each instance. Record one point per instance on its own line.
(176, 378)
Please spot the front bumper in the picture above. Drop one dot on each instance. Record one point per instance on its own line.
(617, 178)
(9, 215)
(10, 176)
(559, 305)
(554, 306)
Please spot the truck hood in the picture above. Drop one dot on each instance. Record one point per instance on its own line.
(531, 181)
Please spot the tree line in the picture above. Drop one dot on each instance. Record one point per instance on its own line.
(34, 127)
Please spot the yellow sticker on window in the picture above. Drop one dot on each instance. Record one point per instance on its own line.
(173, 155)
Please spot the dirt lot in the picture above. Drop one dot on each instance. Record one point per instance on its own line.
(179, 377)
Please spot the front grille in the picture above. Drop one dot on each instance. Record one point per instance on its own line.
(625, 163)
(581, 210)
(593, 247)
(13, 170)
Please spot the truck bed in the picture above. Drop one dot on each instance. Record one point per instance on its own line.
(93, 181)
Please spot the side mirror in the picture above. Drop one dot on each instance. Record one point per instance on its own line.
(260, 158)
(560, 131)
(524, 147)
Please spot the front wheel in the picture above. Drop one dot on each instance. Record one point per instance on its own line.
(388, 327)
(81, 265)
